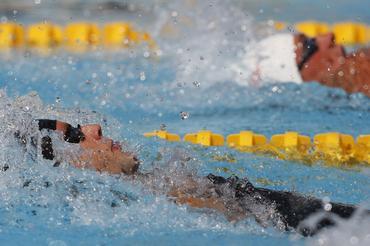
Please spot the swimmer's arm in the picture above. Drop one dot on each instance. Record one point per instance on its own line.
(185, 194)
(215, 204)
(195, 202)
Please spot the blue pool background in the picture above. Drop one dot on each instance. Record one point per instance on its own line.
(134, 93)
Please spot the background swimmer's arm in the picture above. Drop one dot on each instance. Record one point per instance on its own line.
(352, 75)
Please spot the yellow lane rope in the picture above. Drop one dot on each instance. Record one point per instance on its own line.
(331, 148)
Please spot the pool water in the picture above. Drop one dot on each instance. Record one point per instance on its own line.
(134, 91)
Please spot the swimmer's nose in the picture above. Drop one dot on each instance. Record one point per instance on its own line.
(116, 146)
(92, 131)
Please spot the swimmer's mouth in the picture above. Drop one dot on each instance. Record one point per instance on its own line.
(116, 146)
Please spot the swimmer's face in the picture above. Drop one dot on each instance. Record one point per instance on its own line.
(327, 59)
(104, 154)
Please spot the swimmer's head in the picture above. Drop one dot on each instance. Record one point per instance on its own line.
(286, 57)
(324, 56)
(104, 154)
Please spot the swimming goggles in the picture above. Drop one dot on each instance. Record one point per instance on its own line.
(71, 135)
(309, 48)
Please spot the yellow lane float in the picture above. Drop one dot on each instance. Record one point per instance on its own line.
(11, 35)
(44, 35)
(291, 141)
(116, 34)
(312, 28)
(246, 139)
(350, 33)
(205, 138)
(80, 36)
(163, 135)
(362, 152)
(334, 147)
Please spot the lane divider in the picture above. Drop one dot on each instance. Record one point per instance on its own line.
(85, 35)
(346, 33)
(331, 148)
(80, 36)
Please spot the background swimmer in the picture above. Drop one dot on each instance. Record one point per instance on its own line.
(297, 58)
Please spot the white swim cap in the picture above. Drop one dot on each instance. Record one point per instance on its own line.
(272, 59)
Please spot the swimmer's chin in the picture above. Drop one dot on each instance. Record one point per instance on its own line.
(115, 162)
(130, 165)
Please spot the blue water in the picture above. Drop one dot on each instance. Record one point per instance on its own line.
(129, 94)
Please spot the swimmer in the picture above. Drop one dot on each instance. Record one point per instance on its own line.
(298, 58)
(234, 197)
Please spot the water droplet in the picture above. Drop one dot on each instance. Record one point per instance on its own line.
(159, 52)
(162, 127)
(58, 99)
(196, 83)
(142, 76)
(354, 240)
(146, 54)
(328, 206)
(37, 1)
(174, 14)
(184, 115)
